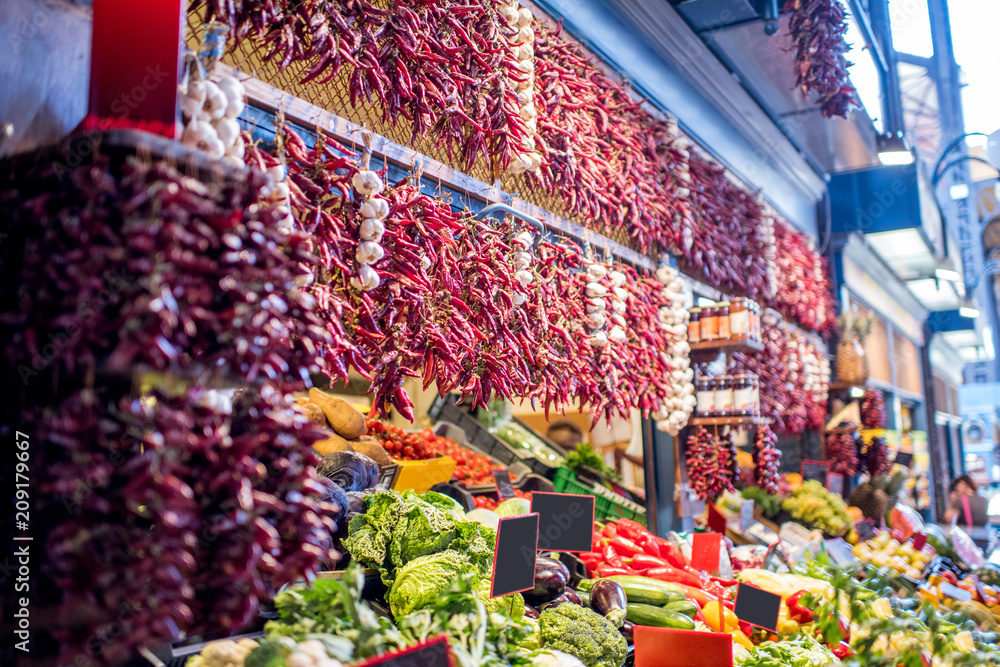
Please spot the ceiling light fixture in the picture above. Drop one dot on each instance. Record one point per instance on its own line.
(892, 150)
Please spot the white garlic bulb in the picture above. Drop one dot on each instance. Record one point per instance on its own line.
(618, 278)
(375, 207)
(524, 239)
(597, 320)
(522, 260)
(372, 229)
(618, 306)
(369, 252)
(596, 289)
(599, 339)
(367, 278)
(519, 299)
(524, 17)
(228, 130)
(425, 262)
(237, 150)
(596, 272)
(215, 101)
(509, 14)
(232, 88)
(595, 305)
(621, 293)
(525, 35)
(368, 183)
(277, 173)
(524, 277)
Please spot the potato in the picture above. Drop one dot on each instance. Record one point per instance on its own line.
(334, 443)
(344, 419)
(313, 412)
(371, 448)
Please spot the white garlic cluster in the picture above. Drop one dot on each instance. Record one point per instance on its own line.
(606, 307)
(280, 194)
(523, 260)
(674, 415)
(682, 147)
(770, 251)
(522, 49)
(819, 278)
(805, 358)
(374, 210)
(210, 109)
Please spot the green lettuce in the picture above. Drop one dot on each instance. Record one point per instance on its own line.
(422, 581)
(478, 543)
(422, 528)
(511, 606)
(369, 533)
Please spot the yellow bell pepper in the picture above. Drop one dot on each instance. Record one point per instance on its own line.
(711, 613)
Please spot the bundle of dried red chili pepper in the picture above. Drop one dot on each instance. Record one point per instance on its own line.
(609, 160)
(726, 242)
(873, 413)
(818, 28)
(842, 453)
(445, 67)
(802, 291)
(767, 458)
(708, 466)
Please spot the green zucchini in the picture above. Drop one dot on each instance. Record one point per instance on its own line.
(647, 614)
(639, 589)
(685, 607)
(584, 597)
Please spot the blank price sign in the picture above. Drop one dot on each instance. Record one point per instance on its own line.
(566, 521)
(660, 647)
(514, 558)
(757, 607)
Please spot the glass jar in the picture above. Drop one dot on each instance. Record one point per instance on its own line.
(739, 318)
(755, 330)
(722, 313)
(724, 396)
(706, 397)
(709, 323)
(742, 396)
(694, 325)
(755, 395)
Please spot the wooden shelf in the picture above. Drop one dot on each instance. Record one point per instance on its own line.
(728, 345)
(729, 421)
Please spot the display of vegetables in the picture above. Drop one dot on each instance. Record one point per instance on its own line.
(803, 292)
(818, 30)
(471, 468)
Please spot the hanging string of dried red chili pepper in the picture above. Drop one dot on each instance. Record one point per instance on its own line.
(818, 29)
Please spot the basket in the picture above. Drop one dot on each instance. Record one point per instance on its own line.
(607, 504)
(852, 363)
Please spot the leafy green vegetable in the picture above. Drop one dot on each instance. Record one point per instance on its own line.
(585, 456)
(477, 542)
(581, 632)
(423, 580)
(769, 504)
(802, 651)
(369, 533)
(511, 606)
(421, 529)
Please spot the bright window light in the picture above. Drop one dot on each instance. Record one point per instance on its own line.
(948, 274)
(959, 191)
(969, 311)
(857, 392)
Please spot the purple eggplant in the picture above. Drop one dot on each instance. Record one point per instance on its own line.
(608, 599)
(555, 602)
(550, 582)
(530, 611)
(626, 631)
(554, 562)
(572, 596)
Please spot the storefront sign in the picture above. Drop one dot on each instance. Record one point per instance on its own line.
(514, 557)
(655, 647)
(505, 489)
(566, 521)
(757, 607)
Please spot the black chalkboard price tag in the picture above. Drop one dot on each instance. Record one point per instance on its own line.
(566, 521)
(835, 483)
(387, 477)
(904, 459)
(431, 653)
(866, 530)
(815, 470)
(839, 551)
(514, 557)
(505, 490)
(757, 607)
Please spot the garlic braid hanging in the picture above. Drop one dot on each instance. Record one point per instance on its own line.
(523, 260)
(374, 210)
(522, 49)
(674, 415)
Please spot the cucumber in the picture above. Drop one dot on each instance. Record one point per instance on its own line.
(639, 589)
(685, 607)
(647, 614)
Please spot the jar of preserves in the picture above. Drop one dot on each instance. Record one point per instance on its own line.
(724, 396)
(755, 395)
(739, 318)
(709, 323)
(694, 325)
(742, 396)
(705, 388)
(755, 329)
(722, 313)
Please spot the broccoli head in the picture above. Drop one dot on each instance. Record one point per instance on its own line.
(581, 632)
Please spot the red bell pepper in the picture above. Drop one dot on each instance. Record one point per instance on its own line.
(671, 552)
(842, 650)
(674, 575)
(798, 611)
(643, 562)
(632, 529)
(649, 545)
(712, 588)
(610, 530)
(611, 556)
(595, 540)
(746, 628)
(625, 546)
(605, 570)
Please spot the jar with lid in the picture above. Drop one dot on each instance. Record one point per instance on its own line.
(694, 325)
(739, 318)
(742, 396)
(709, 323)
(755, 395)
(722, 313)
(755, 329)
(705, 388)
(724, 396)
